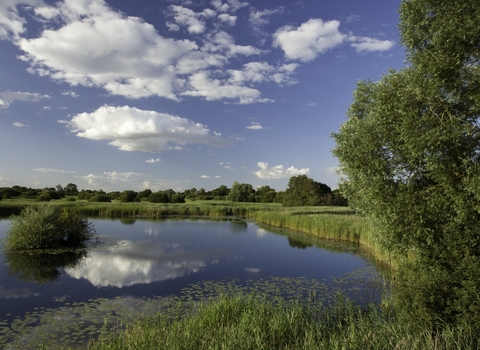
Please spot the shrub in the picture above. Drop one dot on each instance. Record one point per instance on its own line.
(44, 197)
(47, 226)
(100, 198)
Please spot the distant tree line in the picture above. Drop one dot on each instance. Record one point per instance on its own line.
(301, 191)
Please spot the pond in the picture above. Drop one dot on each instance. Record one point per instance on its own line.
(144, 261)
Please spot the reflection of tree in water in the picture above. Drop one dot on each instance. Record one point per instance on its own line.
(128, 221)
(238, 226)
(42, 266)
(292, 242)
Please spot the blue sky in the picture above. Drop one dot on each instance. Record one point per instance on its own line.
(135, 94)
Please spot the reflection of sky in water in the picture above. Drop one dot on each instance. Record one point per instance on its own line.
(142, 262)
(162, 257)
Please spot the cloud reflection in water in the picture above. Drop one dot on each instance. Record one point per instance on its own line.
(142, 262)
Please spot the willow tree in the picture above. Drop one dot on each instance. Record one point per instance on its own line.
(410, 154)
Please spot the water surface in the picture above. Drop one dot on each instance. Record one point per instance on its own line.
(151, 259)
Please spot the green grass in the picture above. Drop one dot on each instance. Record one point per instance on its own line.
(249, 322)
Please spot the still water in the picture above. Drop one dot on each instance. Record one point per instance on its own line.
(151, 259)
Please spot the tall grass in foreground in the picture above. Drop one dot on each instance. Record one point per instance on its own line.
(249, 322)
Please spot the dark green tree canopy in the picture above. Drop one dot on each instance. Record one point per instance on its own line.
(410, 155)
(241, 193)
(303, 190)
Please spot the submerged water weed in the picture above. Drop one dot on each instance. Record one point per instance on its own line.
(76, 323)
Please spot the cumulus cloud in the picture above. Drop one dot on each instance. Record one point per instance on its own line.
(309, 40)
(227, 19)
(133, 129)
(8, 97)
(98, 47)
(50, 170)
(152, 161)
(231, 6)
(255, 126)
(201, 84)
(111, 177)
(278, 172)
(194, 21)
(366, 44)
(259, 72)
(205, 177)
(11, 24)
(87, 43)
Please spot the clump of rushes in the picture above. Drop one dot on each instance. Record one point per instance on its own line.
(47, 226)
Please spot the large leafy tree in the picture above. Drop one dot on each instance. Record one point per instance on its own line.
(410, 153)
(303, 190)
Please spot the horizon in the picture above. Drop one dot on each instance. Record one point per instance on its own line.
(176, 94)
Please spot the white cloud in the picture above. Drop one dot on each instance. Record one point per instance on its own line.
(214, 89)
(194, 21)
(50, 170)
(205, 177)
(309, 40)
(352, 18)
(11, 24)
(332, 170)
(222, 42)
(255, 126)
(133, 129)
(19, 125)
(87, 43)
(111, 177)
(231, 6)
(69, 93)
(312, 104)
(152, 161)
(362, 44)
(227, 19)
(217, 176)
(260, 18)
(98, 47)
(8, 97)
(259, 72)
(141, 262)
(278, 172)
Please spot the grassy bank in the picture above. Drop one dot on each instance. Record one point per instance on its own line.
(335, 223)
(249, 322)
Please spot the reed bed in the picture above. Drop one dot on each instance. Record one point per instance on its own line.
(250, 322)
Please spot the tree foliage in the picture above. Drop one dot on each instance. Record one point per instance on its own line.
(241, 192)
(47, 226)
(410, 151)
(303, 190)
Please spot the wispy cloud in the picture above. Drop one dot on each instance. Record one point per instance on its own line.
(9, 97)
(19, 125)
(366, 44)
(152, 161)
(51, 170)
(111, 177)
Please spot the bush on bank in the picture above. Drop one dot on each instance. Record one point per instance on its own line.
(47, 226)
